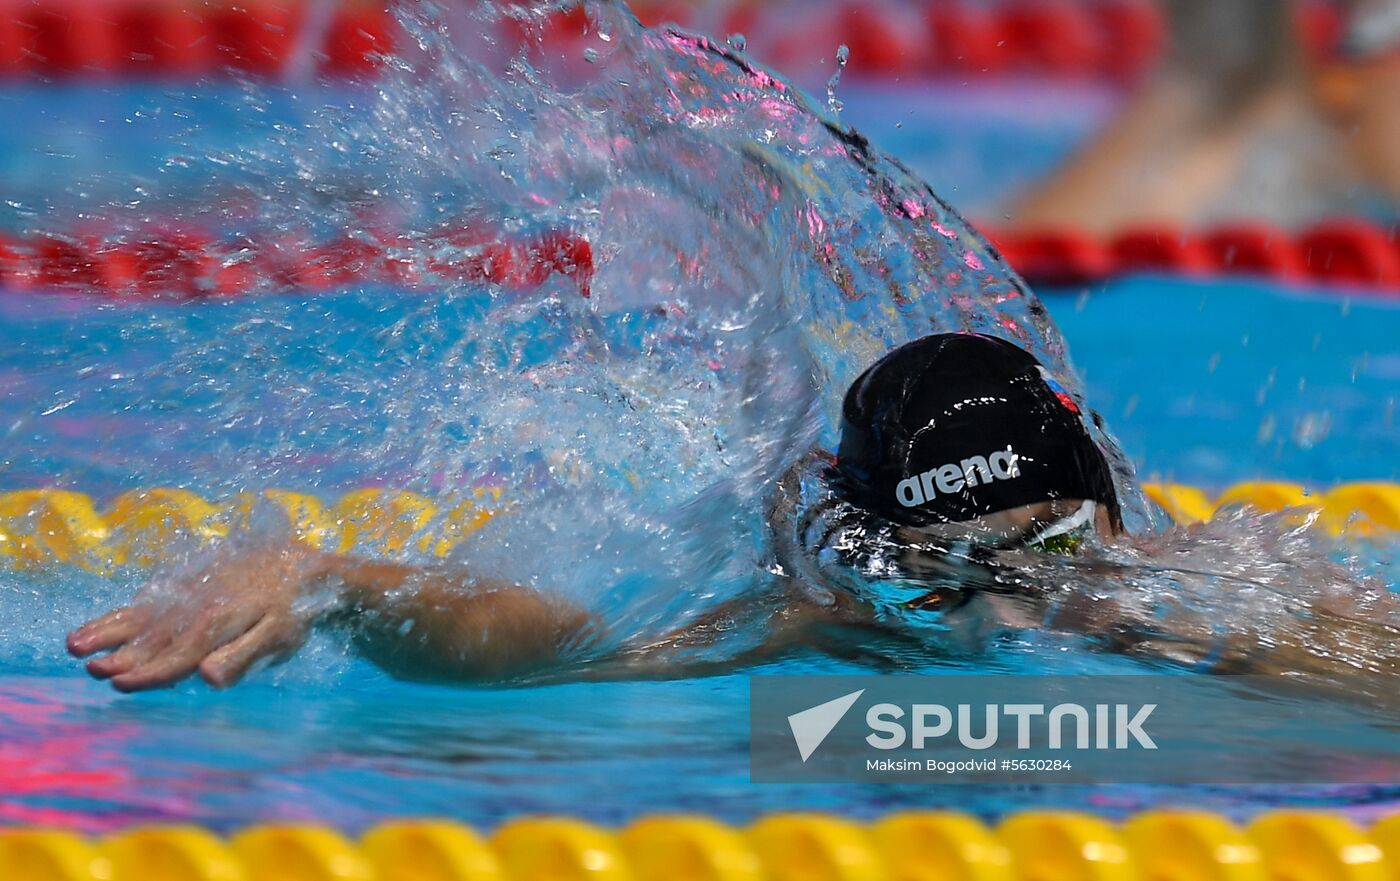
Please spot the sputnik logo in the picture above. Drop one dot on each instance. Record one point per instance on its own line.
(810, 727)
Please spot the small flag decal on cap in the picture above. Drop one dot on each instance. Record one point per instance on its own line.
(1059, 390)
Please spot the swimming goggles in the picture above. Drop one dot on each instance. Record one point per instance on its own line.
(1064, 536)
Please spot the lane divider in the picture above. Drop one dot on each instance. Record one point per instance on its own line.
(45, 526)
(1109, 39)
(190, 264)
(41, 527)
(1164, 845)
(163, 38)
(1347, 252)
(1114, 39)
(1361, 508)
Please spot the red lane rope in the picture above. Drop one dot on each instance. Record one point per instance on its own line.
(123, 38)
(189, 264)
(1343, 252)
(1113, 39)
(1109, 38)
(135, 38)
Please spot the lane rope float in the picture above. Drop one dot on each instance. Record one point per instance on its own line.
(42, 527)
(1160, 845)
(187, 263)
(1348, 252)
(64, 39)
(139, 528)
(1110, 40)
(193, 264)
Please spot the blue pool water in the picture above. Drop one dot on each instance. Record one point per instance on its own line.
(83, 147)
(1205, 382)
(1210, 383)
(331, 738)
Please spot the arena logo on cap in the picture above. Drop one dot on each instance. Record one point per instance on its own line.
(955, 477)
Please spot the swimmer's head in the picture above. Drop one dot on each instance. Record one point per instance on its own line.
(954, 430)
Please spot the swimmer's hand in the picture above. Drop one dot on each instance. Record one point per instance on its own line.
(226, 618)
(261, 605)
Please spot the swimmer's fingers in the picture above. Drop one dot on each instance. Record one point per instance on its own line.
(179, 653)
(176, 662)
(272, 636)
(131, 655)
(110, 631)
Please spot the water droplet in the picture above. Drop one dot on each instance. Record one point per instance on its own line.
(1312, 429)
(590, 55)
(1266, 429)
(843, 55)
(738, 41)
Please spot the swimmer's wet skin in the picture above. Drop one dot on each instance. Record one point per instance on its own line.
(256, 605)
(962, 464)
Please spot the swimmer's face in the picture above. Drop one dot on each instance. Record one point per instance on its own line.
(940, 549)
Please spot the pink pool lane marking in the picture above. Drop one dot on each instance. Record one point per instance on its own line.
(47, 754)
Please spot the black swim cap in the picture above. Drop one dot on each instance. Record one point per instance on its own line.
(952, 427)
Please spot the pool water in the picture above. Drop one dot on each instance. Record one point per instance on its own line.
(1205, 382)
(1231, 381)
(82, 147)
(329, 737)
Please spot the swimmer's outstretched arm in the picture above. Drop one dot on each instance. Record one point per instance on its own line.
(262, 604)
(1343, 640)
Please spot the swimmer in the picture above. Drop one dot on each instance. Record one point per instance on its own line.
(1240, 123)
(968, 501)
(963, 467)
(960, 442)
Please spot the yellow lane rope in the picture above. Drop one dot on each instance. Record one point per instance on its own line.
(39, 527)
(918, 846)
